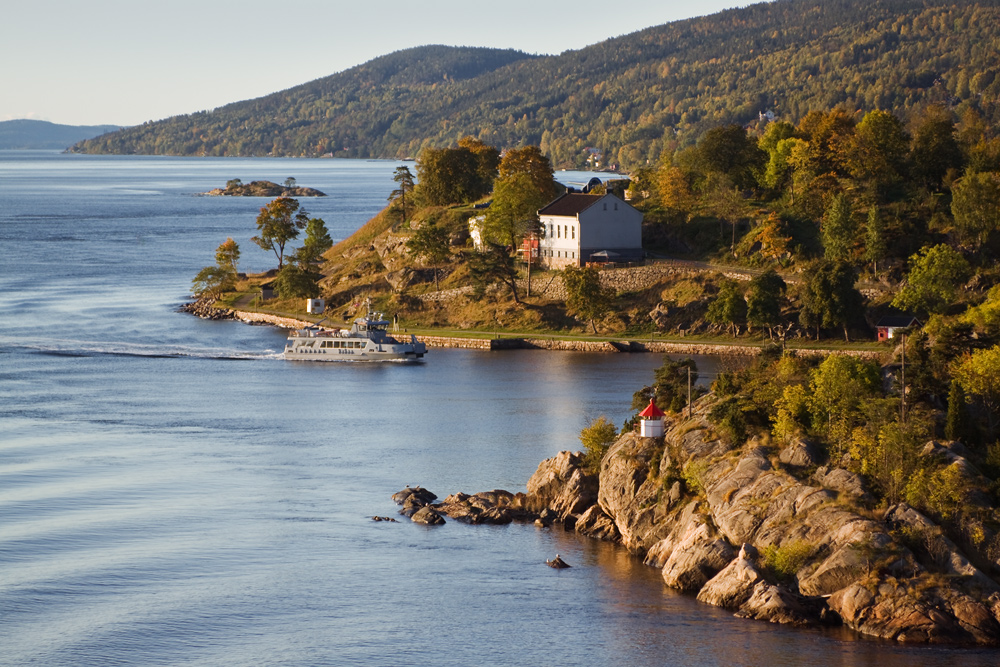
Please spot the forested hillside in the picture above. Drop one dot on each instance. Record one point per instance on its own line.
(630, 97)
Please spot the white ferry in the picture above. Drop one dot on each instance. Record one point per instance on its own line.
(367, 340)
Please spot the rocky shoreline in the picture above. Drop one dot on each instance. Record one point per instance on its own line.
(712, 517)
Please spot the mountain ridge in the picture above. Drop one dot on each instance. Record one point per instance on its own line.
(630, 96)
(25, 133)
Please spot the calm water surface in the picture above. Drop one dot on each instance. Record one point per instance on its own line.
(173, 493)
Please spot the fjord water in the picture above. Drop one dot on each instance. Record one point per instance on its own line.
(173, 493)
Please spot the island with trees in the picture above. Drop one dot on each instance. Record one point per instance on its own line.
(290, 188)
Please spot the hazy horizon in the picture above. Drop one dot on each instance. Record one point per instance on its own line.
(115, 63)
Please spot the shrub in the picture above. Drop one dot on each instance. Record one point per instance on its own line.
(728, 416)
(693, 476)
(596, 438)
(785, 561)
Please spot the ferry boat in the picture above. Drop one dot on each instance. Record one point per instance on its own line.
(367, 340)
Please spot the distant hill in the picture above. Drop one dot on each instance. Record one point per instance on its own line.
(627, 97)
(38, 134)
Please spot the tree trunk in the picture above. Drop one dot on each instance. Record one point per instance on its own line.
(847, 337)
(593, 326)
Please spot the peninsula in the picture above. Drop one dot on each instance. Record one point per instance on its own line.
(783, 527)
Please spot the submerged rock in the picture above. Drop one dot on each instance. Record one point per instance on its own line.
(558, 563)
(416, 494)
(427, 516)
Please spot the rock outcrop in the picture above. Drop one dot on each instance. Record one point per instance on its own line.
(764, 532)
(808, 551)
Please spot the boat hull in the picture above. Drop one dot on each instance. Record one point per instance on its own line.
(351, 355)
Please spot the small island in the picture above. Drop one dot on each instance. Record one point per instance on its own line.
(237, 188)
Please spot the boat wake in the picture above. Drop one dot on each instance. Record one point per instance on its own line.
(76, 348)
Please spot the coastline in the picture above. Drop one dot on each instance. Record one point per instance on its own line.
(206, 310)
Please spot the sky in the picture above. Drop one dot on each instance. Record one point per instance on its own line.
(124, 62)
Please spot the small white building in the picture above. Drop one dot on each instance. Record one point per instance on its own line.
(651, 421)
(315, 306)
(575, 227)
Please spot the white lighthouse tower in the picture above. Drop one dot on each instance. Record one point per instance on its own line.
(651, 424)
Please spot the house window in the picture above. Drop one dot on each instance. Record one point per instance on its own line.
(605, 206)
(558, 232)
(565, 232)
(574, 230)
(616, 206)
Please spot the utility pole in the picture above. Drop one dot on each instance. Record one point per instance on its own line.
(902, 393)
(530, 249)
(689, 392)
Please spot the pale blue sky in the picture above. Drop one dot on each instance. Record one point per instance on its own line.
(124, 62)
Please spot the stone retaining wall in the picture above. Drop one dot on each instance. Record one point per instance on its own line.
(630, 279)
(658, 347)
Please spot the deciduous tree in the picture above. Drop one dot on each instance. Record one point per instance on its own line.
(432, 244)
(212, 281)
(935, 151)
(585, 295)
(932, 284)
(514, 209)
(487, 161)
(596, 437)
(278, 223)
(294, 281)
(876, 155)
(729, 308)
(448, 176)
(979, 375)
(829, 298)
(975, 205)
(531, 161)
(839, 388)
(764, 297)
(227, 256)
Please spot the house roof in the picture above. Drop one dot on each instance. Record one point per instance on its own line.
(570, 204)
(651, 411)
(897, 321)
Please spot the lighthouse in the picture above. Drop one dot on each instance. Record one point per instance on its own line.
(651, 424)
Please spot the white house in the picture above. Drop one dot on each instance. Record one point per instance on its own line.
(576, 226)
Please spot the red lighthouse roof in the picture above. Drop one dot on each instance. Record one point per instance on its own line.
(652, 412)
